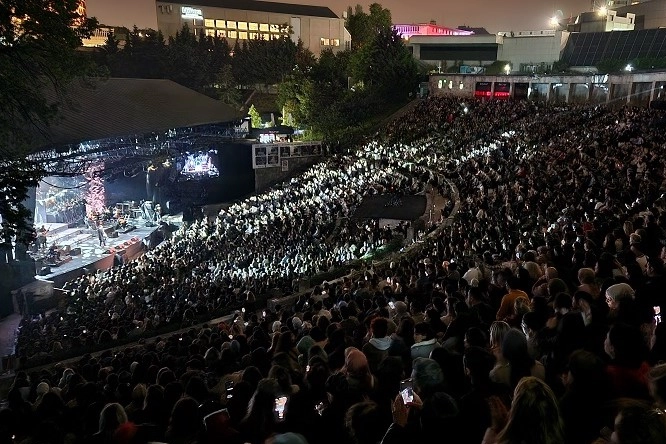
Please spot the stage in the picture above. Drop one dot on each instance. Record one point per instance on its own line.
(92, 256)
(81, 253)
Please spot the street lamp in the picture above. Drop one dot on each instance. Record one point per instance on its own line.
(602, 11)
(629, 68)
(555, 22)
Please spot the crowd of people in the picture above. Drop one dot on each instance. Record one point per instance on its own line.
(263, 245)
(534, 317)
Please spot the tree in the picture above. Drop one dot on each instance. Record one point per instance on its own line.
(255, 116)
(111, 44)
(38, 42)
(226, 87)
(386, 66)
(363, 27)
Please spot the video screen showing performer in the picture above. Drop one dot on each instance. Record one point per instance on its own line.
(198, 165)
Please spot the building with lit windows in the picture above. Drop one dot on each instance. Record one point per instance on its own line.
(407, 31)
(317, 27)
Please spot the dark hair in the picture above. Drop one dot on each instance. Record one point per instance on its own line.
(514, 349)
(638, 423)
(365, 422)
(479, 362)
(476, 337)
(533, 320)
(513, 282)
(379, 327)
(628, 345)
(423, 328)
(562, 300)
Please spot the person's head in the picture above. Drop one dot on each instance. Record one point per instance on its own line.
(478, 363)
(534, 415)
(260, 409)
(615, 293)
(657, 380)
(513, 283)
(531, 323)
(283, 378)
(475, 337)
(562, 303)
(356, 363)
(423, 332)
(379, 327)
(154, 397)
(474, 296)
(586, 371)
(586, 276)
(365, 423)
(654, 267)
(625, 345)
(521, 306)
(497, 331)
(638, 423)
(185, 419)
(515, 351)
(427, 376)
(406, 329)
(111, 417)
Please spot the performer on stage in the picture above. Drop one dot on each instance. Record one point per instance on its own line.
(101, 235)
(41, 237)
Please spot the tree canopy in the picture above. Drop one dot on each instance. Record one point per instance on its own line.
(38, 42)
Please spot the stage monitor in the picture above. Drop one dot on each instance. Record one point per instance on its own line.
(199, 165)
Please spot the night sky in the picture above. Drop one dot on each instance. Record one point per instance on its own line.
(503, 15)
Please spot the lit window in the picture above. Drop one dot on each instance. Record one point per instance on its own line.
(231, 25)
(266, 36)
(275, 28)
(254, 35)
(232, 34)
(210, 32)
(461, 85)
(221, 33)
(335, 42)
(254, 26)
(450, 84)
(439, 84)
(220, 24)
(242, 25)
(242, 35)
(324, 42)
(209, 23)
(263, 27)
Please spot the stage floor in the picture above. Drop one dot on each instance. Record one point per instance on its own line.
(95, 257)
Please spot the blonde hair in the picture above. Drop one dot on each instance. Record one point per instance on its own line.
(534, 416)
(498, 330)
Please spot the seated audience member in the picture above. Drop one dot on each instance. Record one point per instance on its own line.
(628, 368)
(506, 310)
(534, 416)
(377, 347)
(519, 363)
(424, 341)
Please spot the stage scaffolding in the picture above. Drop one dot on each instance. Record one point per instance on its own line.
(121, 153)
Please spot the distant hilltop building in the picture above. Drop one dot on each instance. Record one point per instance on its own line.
(406, 31)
